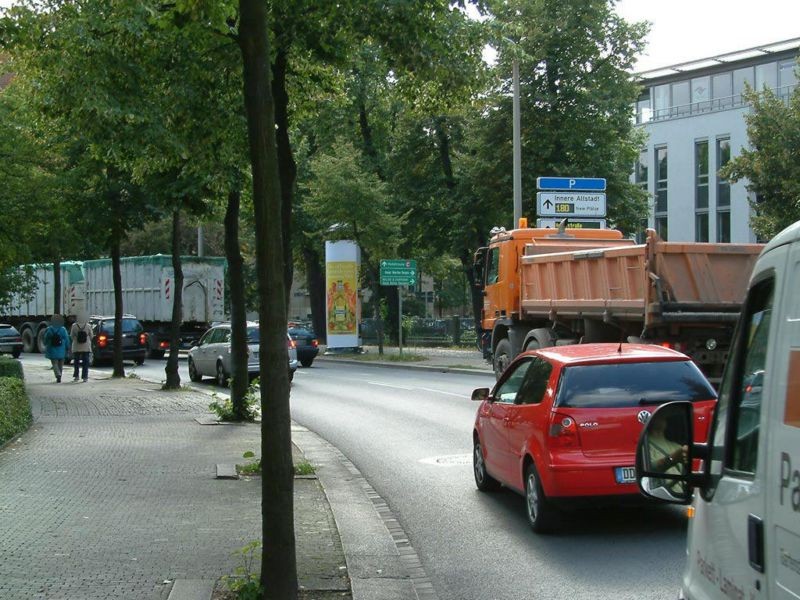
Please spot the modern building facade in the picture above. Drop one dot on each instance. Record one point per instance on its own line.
(693, 114)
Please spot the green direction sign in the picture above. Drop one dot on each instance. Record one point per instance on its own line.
(398, 272)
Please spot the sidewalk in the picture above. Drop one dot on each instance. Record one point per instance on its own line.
(112, 494)
(466, 361)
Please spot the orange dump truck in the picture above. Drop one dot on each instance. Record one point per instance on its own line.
(545, 287)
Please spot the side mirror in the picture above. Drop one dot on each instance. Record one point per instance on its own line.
(664, 455)
(480, 394)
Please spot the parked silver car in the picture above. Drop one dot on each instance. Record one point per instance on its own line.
(212, 356)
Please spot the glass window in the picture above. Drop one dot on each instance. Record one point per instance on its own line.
(128, 326)
(724, 227)
(640, 171)
(701, 227)
(252, 334)
(632, 384)
(643, 110)
(740, 78)
(661, 101)
(787, 78)
(701, 93)
(662, 228)
(506, 392)
(723, 187)
(661, 179)
(492, 275)
(535, 384)
(766, 76)
(681, 98)
(722, 90)
(701, 174)
(749, 378)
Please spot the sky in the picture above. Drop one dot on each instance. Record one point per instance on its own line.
(684, 30)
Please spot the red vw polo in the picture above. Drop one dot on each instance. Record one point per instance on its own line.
(563, 422)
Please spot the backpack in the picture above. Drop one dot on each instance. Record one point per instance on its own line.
(55, 339)
(82, 337)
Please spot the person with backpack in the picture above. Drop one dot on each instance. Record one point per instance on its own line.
(56, 339)
(81, 335)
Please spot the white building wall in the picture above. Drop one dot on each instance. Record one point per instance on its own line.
(679, 135)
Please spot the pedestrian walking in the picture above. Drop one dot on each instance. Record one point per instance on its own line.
(81, 335)
(56, 339)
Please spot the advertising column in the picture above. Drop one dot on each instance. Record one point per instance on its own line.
(342, 261)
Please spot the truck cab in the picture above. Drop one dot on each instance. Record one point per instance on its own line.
(744, 485)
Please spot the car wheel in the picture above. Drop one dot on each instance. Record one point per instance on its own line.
(222, 376)
(155, 353)
(502, 357)
(16, 353)
(28, 340)
(541, 514)
(92, 360)
(484, 481)
(306, 362)
(138, 361)
(193, 374)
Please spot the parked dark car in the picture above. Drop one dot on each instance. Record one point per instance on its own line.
(134, 339)
(10, 340)
(307, 345)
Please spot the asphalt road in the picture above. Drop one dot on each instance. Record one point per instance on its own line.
(409, 432)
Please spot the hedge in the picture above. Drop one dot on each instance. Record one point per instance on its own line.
(10, 367)
(15, 408)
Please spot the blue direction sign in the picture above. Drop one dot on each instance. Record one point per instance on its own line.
(574, 184)
(398, 272)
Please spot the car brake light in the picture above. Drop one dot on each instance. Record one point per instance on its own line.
(563, 431)
(142, 339)
(666, 345)
(102, 340)
(314, 343)
(163, 344)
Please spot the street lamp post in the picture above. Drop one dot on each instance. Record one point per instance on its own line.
(517, 147)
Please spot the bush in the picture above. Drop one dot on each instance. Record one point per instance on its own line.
(15, 409)
(10, 367)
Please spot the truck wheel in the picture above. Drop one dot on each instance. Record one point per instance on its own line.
(502, 357)
(40, 345)
(28, 340)
(16, 352)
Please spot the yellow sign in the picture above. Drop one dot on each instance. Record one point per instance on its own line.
(341, 296)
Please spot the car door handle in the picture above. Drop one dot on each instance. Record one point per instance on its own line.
(755, 542)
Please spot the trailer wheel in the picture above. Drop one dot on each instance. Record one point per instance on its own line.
(502, 357)
(28, 340)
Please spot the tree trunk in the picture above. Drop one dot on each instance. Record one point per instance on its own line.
(278, 560)
(56, 286)
(239, 383)
(287, 168)
(171, 368)
(116, 274)
(315, 282)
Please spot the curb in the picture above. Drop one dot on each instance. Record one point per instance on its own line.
(388, 365)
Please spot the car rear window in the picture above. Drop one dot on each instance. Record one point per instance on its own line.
(632, 384)
(297, 332)
(128, 326)
(252, 335)
(8, 331)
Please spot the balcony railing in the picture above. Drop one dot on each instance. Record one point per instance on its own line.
(705, 106)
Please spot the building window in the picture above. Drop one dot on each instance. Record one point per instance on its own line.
(787, 79)
(661, 101)
(643, 111)
(661, 192)
(740, 78)
(766, 76)
(723, 192)
(722, 90)
(681, 100)
(701, 94)
(701, 191)
(640, 178)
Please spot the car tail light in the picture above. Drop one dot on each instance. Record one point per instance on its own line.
(563, 431)
(163, 345)
(102, 340)
(142, 339)
(314, 343)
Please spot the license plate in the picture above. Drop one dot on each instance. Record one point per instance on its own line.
(625, 474)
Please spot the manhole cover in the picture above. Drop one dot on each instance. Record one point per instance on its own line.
(451, 460)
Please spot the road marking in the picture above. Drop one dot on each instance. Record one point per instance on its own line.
(450, 460)
(396, 387)
(443, 392)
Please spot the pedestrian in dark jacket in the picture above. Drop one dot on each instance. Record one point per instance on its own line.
(81, 335)
(56, 340)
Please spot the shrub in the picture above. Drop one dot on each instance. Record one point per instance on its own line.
(15, 409)
(10, 367)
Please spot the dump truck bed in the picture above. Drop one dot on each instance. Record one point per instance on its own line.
(657, 282)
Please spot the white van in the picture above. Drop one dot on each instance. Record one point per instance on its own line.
(744, 534)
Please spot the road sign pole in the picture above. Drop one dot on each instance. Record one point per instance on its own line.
(400, 319)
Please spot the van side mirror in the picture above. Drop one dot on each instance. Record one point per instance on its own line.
(665, 454)
(480, 394)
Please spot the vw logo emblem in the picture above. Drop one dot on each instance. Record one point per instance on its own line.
(643, 417)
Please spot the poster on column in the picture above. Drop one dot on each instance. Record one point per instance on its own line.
(342, 261)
